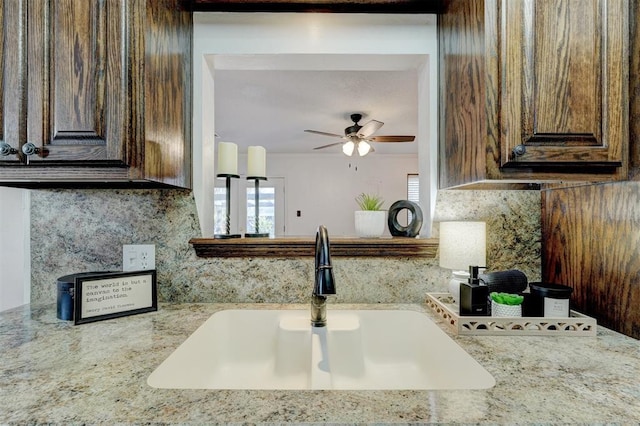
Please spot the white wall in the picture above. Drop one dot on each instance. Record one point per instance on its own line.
(324, 186)
(307, 35)
(14, 248)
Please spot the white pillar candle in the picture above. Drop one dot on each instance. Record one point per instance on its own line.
(257, 162)
(227, 158)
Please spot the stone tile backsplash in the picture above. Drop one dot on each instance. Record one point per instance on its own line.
(84, 230)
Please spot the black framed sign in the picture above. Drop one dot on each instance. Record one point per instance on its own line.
(109, 295)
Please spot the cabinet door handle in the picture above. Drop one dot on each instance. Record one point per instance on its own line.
(30, 149)
(6, 149)
(519, 150)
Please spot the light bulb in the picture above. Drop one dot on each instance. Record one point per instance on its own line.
(348, 148)
(363, 148)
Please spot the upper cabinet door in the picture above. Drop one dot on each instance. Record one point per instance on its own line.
(77, 80)
(95, 92)
(12, 81)
(563, 67)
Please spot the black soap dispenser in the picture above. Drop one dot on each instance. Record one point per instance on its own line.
(473, 295)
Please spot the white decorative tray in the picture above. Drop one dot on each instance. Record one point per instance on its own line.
(444, 306)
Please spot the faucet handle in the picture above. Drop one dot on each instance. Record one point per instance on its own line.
(324, 280)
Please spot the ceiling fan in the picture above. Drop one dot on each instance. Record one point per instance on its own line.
(358, 137)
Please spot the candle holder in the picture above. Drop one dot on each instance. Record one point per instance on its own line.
(256, 198)
(228, 233)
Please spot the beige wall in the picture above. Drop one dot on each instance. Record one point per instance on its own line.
(324, 187)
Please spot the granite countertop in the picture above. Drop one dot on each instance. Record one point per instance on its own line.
(54, 372)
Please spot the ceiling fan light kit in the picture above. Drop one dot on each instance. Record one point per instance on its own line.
(363, 148)
(359, 137)
(348, 147)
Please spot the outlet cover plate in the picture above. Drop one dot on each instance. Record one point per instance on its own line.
(138, 257)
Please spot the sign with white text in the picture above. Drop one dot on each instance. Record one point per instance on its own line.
(110, 295)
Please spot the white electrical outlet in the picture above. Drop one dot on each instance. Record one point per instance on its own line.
(138, 257)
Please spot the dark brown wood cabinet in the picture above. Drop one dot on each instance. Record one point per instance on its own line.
(591, 244)
(534, 91)
(102, 92)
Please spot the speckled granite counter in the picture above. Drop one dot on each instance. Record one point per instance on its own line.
(53, 372)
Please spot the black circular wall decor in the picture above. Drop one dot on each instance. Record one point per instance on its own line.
(413, 228)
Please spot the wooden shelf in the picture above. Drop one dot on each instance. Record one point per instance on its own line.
(305, 246)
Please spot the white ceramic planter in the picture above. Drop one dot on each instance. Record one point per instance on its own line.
(500, 310)
(369, 223)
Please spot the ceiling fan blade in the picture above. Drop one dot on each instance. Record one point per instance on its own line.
(392, 138)
(370, 128)
(327, 146)
(324, 133)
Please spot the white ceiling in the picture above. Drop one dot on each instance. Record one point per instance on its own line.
(272, 108)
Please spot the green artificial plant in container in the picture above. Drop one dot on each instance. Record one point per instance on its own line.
(506, 305)
(369, 202)
(370, 219)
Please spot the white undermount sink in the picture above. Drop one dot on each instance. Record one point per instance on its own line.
(359, 349)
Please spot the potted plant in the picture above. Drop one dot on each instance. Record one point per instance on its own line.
(370, 219)
(506, 305)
